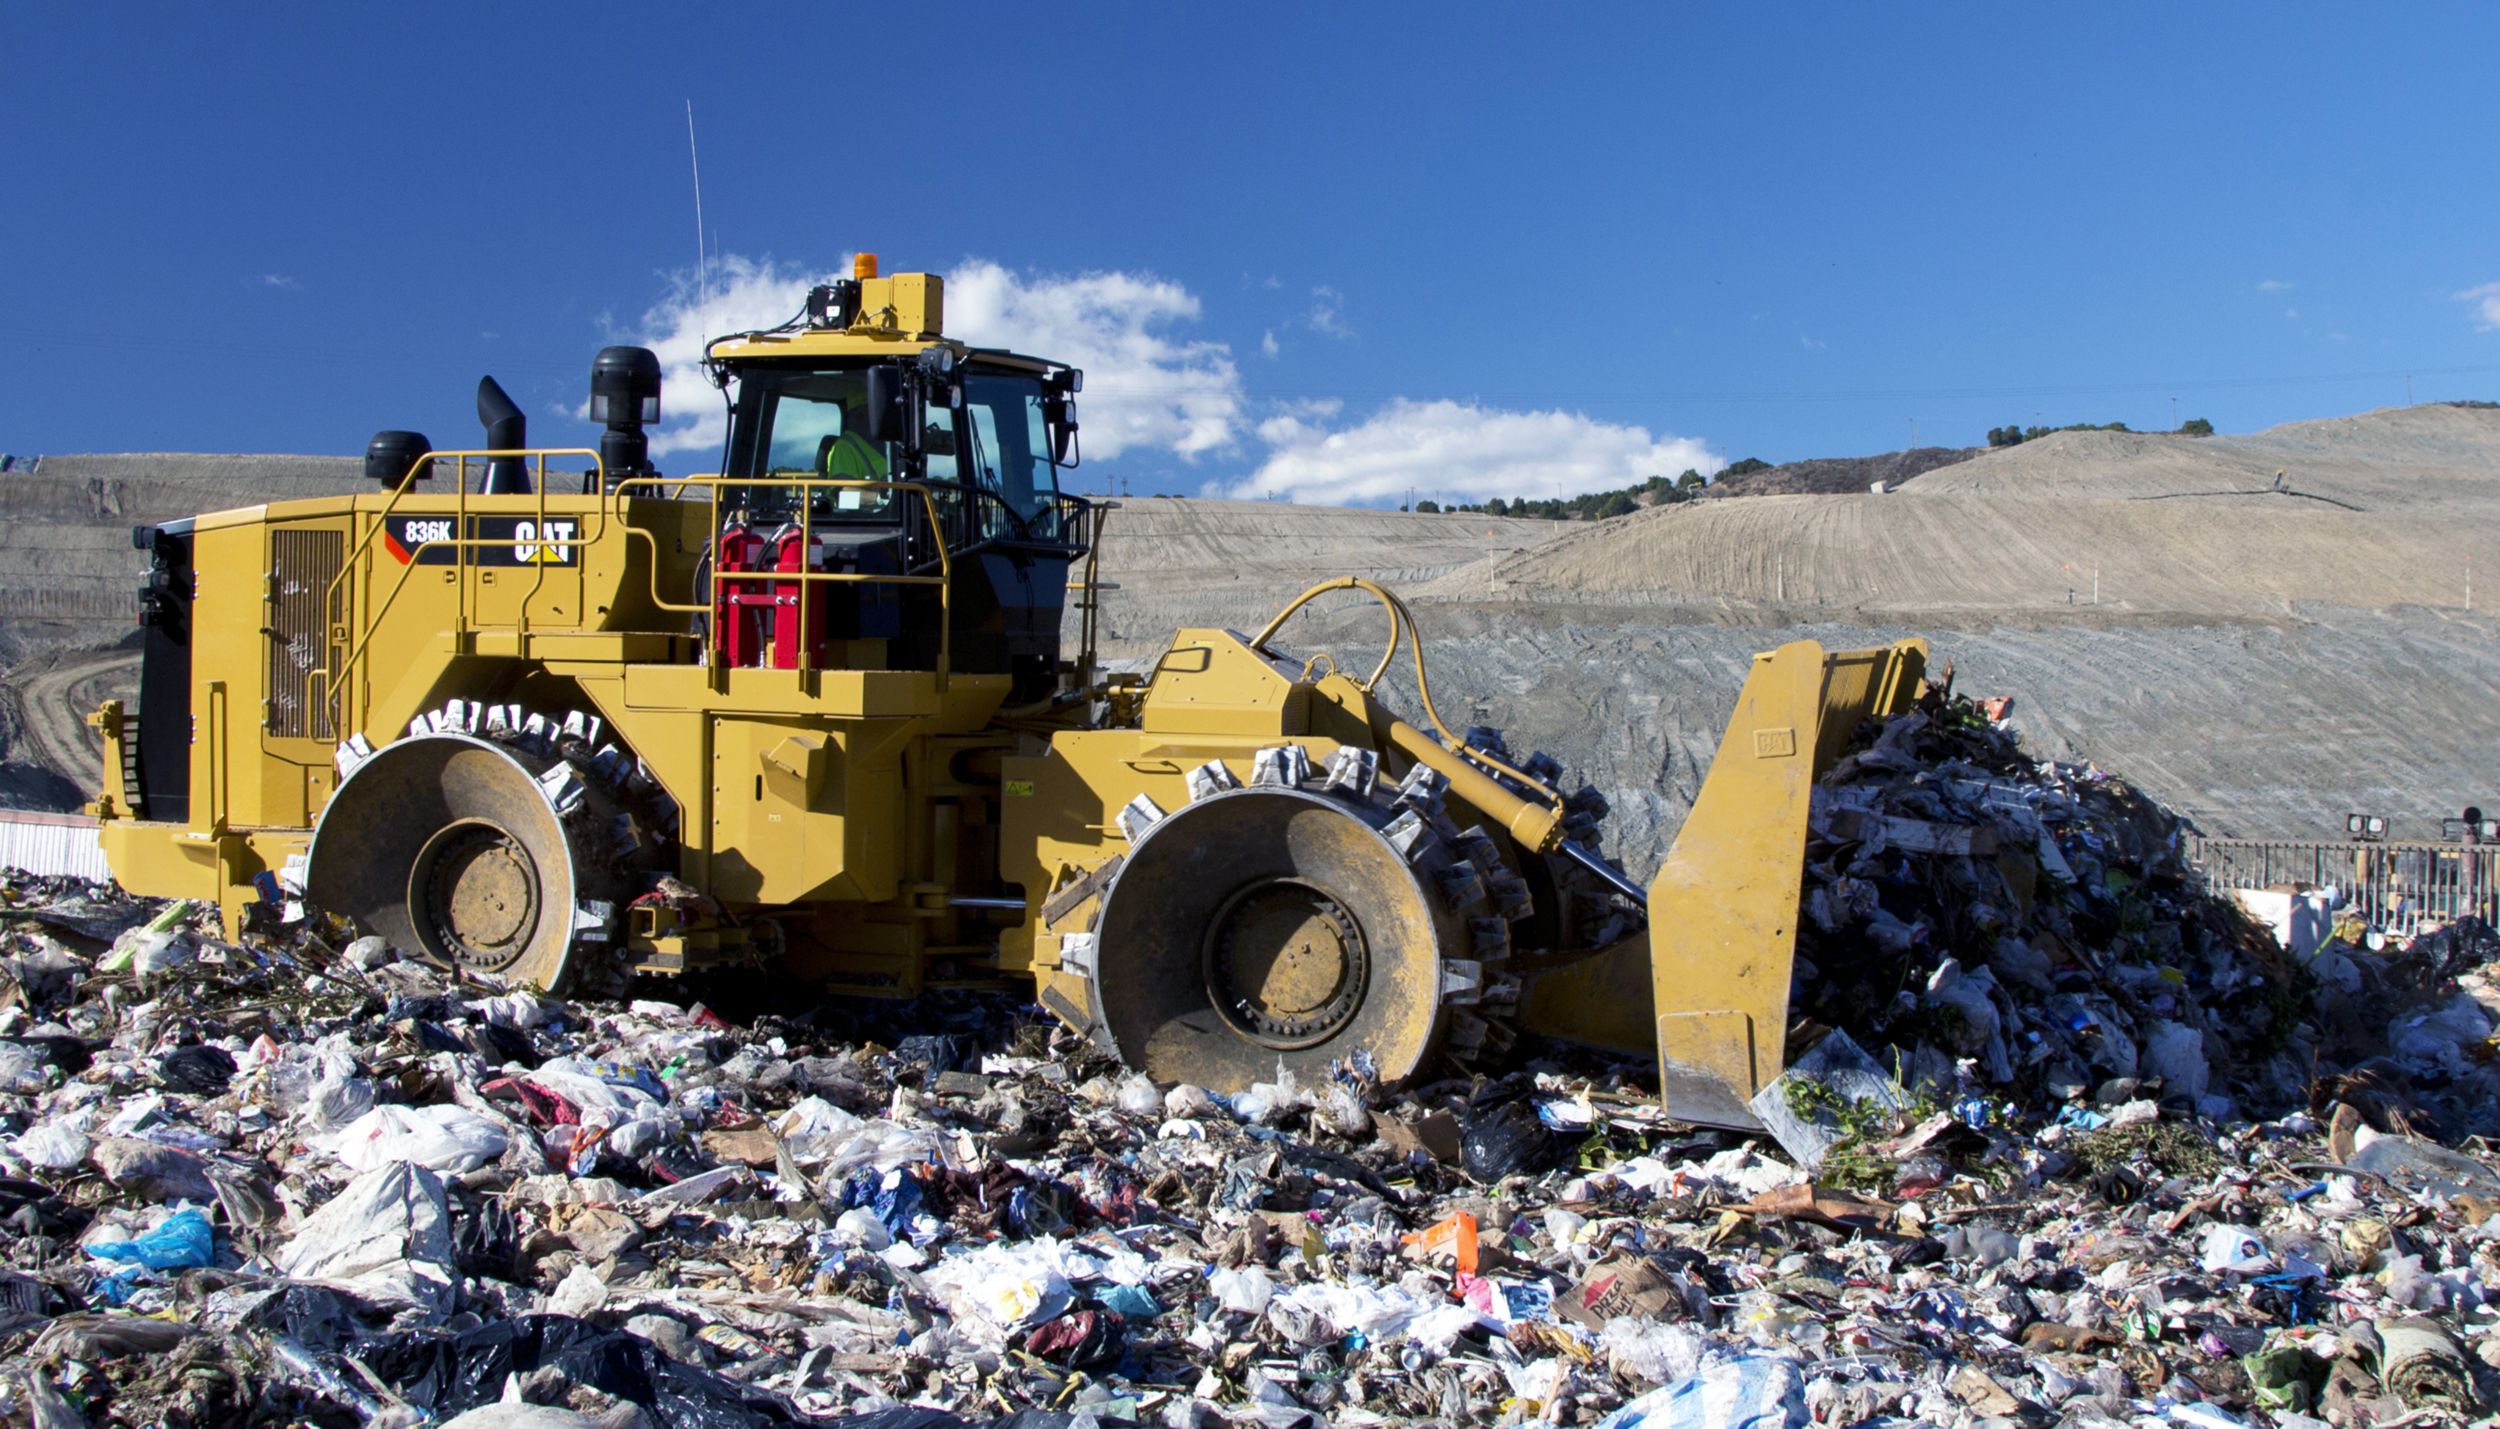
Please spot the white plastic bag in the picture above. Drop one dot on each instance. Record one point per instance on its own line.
(1137, 1095)
(1244, 1292)
(388, 1232)
(814, 1129)
(58, 1144)
(1003, 1289)
(448, 1139)
(2235, 1249)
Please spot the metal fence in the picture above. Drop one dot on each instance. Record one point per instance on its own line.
(2398, 888)
(55, 845)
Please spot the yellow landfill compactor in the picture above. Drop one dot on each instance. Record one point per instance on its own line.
(556, 717)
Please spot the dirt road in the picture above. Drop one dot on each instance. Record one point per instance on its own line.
(52, 708)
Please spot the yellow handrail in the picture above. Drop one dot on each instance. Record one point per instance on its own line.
(333, 682)
(807, 487)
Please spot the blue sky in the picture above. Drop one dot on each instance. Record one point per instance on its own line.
(1324, 251)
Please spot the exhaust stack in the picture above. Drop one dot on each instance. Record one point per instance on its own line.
(506, 430)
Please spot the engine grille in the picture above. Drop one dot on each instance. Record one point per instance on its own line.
(303, 565)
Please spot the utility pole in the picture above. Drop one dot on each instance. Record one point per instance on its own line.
(2174, 414)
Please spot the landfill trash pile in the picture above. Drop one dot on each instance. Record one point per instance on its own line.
(304, 1180)
(1987, 925)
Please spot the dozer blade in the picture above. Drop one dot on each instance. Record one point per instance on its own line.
(1707, 987)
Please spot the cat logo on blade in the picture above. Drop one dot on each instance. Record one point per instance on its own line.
(491, 541)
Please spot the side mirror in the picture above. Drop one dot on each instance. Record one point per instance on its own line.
(885, 404)
(1059, 416)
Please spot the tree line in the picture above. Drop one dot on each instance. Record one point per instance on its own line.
(2014, 436)
(1599, 505)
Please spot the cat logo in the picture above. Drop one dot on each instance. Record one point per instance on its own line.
(551, 545)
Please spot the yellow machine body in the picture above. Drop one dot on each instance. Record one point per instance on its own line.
(905, 808)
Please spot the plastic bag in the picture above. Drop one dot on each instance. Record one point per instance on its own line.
(1650, 1351)
(2235, 1248)
(449, 1139)
(388, 1232)
(1004, 1289)
(182, 1241)
(202, 1070)
(1268, 1103)
(1508, 1139)
(448, 1373)
(813, 1128)
(1243, 1292)
(1190, 1103)
(1754, 1392)
(60, 1144)
(1137, 1095)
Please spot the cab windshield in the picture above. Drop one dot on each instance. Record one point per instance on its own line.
(989, 464)
(800, 424)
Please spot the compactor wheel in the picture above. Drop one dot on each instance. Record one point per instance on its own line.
(489, 841)
(1307, 919)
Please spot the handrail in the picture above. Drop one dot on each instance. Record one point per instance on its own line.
(334, 682)
(358, 643)
(807, 486)
(1402, 626)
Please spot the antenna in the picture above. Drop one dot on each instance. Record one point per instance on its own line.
(702, 270)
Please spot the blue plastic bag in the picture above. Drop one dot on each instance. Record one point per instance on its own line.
(185, 1241)
(1132, 1301)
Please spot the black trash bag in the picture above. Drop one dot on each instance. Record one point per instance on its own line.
(67, 1053)
(201, 1069)
(23, 1294)
(2454, 948)
(939, 1052)
(485, 1240)
(499, 1045)
(1505, 1138)
(452, 1373)
(31, 1208)
(321, 1316)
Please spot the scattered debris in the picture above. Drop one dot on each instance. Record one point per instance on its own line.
(2066, 1146)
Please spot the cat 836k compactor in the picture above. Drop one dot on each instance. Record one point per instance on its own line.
(568, 725)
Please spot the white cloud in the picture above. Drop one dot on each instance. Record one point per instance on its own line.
(1268, 345)
(279, 280)
(738, 294)
(1458, 451)
(1327, 313)
(1812, 344)
(2274, 285)
(2486, 301)
(2291, 312)
(1143, 387)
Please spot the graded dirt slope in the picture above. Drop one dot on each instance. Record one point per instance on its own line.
(68, 575)
(2379, 511)
(2265, 661)
(1235, 563)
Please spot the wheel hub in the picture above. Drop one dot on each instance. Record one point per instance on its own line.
(477, 889)
(1286, 964)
